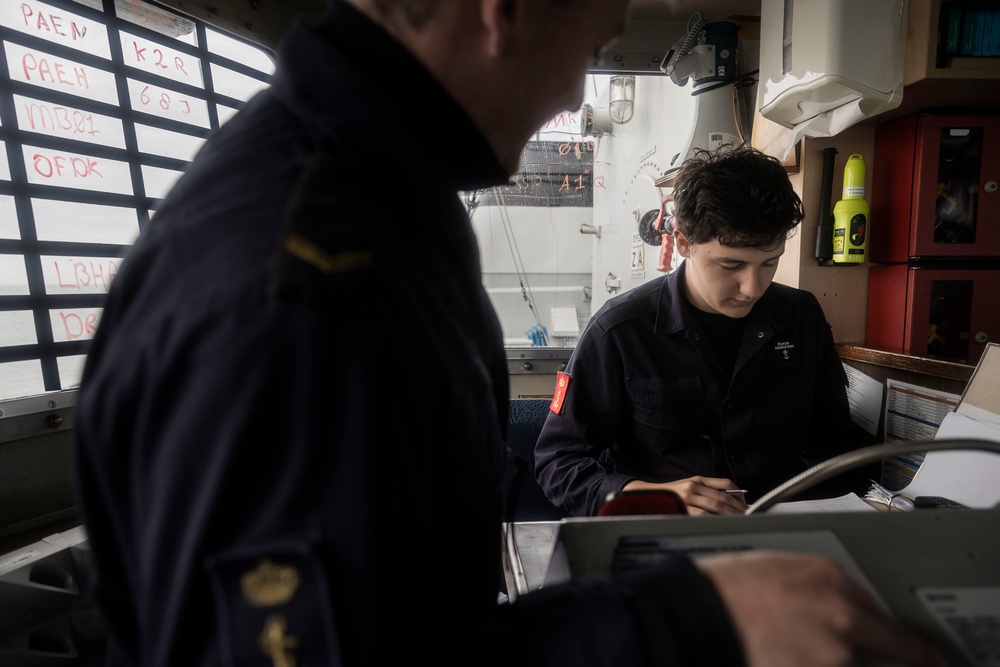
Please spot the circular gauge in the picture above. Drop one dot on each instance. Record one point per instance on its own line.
(647, 232)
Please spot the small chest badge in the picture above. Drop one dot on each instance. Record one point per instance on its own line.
(785, 352)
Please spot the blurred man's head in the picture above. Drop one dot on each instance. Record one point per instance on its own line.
(511, 64)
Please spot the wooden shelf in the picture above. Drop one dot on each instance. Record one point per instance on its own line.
(948, 370)
(921, 50)
(978, 66)
(928, 88)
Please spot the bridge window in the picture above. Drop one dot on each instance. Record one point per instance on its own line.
(572, 227)
(100, 113)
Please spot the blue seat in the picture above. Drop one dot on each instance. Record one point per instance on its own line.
(524, 500)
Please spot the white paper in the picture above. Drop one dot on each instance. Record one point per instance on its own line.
(968, 476)
(864, 393)
(965, 475)
(912, 413)
(826, 124)
(849, 502)
(960, 426)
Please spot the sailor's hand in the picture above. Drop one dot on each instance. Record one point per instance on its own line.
(701, 495)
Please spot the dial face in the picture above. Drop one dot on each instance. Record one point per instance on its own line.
(647, 232)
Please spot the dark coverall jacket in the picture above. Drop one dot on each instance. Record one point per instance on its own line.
(290, 430)
(647, 398)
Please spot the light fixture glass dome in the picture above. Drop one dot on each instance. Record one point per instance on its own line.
(622, 104)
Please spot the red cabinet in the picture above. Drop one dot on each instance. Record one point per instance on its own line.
(935, 188)
(948, 313)
(934, 237)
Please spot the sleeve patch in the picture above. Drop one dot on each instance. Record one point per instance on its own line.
(562, 383)
(273, 607)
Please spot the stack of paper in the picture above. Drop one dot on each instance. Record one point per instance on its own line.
(968, 476)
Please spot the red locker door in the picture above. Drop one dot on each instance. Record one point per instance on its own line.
(935, 188)
(952, 313)
(942, 313)
(956, 207)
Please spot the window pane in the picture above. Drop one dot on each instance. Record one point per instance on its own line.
(57, 120)
(234, 84)
(155, 141)
(161, 60)
(158, 181)
(13, 277)
(21, 378)
(17, 328)
(56, 25)
(158, 19)
(4, 167)
(225, 113)
(70, 370)
(53, 72)
(563, 235)
(241, 52)
(74, 323)
(79, 275)
(8, 218)
(76, 170)
(84, 223)
(92, 166)
(167, 103)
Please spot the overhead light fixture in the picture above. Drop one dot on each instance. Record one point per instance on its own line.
(622, 104)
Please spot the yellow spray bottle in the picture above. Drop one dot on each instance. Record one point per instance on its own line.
(850, 215)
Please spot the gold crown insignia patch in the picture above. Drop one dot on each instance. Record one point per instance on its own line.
(269, 585)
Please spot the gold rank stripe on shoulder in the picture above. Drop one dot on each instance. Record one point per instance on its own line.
(269, 584)
(313, 255)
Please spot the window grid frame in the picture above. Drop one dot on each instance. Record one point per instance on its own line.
(47, 350)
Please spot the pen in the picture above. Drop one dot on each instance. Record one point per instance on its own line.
(733, 491)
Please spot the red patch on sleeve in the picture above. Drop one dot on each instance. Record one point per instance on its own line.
(562, 383)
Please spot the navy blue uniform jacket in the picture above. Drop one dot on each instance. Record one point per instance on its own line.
(649, 399)
(290, 427)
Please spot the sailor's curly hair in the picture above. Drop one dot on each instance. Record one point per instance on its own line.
(738, 195)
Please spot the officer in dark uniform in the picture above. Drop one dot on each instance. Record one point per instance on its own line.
(290, 430)
(709, 378)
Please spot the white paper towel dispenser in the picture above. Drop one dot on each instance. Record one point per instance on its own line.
(827, 64)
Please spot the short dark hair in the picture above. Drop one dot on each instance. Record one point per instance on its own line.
(738, 195)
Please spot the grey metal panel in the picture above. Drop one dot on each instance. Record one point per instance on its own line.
(36, 487)
(898, 552)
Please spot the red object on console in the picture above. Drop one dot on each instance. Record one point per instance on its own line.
(643, 501)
